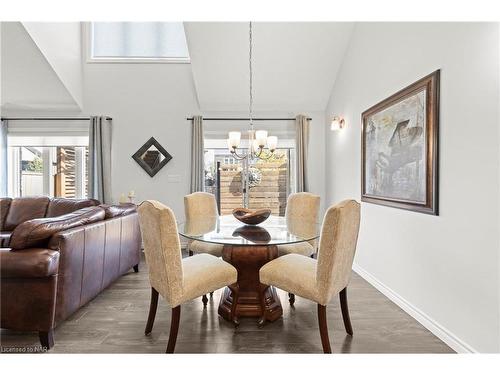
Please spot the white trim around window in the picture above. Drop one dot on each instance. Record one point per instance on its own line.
(87, 47)
(80, 172)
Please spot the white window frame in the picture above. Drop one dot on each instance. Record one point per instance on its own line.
(87, 44)
(80, 172)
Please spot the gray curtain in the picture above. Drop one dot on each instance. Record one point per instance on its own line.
(197, 158)
(3, 158)
(100, 159)
(302, 145)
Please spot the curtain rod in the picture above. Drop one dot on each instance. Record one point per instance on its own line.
(50, 118)
(245, 119)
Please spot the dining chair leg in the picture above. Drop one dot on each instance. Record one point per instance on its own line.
(204, 299)
(262, 297)
(323, 329)
(345, 311)
(174, 329)
(235, 290)
(152, 311)
(291, 298)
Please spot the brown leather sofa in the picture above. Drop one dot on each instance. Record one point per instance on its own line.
(58, 254)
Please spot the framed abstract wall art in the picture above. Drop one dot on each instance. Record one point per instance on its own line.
(399, 145)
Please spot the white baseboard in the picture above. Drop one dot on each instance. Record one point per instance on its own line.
(439, 331)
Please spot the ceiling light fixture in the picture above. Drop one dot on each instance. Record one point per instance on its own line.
(257, 140)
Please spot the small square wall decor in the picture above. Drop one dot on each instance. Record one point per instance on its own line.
(152, 157)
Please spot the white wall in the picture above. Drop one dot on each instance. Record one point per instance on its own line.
(444, 267)
(145, 100)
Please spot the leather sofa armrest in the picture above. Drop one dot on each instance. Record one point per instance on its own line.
(28, 263)
(28, 290)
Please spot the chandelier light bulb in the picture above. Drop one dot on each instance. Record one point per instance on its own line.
(261, 137)
(254, 145)
(234, 139)
(272, 142)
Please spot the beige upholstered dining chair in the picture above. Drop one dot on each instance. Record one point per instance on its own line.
(301, 207)
(201, 205)
(175, 279)
(319, 280)
(198, 205)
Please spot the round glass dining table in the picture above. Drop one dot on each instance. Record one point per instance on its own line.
(248, 248)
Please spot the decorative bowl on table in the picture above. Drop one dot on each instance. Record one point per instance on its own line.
(251, 217)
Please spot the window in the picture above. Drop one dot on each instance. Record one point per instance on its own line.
(57, 171)
(47, 158)
(138, 41)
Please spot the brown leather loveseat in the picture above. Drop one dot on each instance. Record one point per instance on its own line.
(57, 254)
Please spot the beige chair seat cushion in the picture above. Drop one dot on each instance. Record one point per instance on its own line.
(201, 247)
(204, 273)
(293, 273)
(301, 248)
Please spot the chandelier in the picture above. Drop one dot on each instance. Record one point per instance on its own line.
(257, 140)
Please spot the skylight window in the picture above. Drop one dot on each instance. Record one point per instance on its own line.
(138, 41)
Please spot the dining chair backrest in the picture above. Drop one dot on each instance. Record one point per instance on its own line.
(303, 205)
(162, 249)
(337, 246)
(200, 204)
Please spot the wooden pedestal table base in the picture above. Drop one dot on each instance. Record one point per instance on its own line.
(248, 260)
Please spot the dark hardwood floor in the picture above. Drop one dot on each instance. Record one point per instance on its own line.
(114, 322)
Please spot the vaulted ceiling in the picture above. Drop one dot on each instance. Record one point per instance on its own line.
(30, 80)
(295, 64)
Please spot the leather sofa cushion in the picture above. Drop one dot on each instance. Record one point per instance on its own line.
(4, 208)
(37, 232)
(28, 263)
(63, 206)
(5, 239)
(118, 210)
(24, 209)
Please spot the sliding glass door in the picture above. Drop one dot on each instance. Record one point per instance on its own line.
(254, 184)
(265, 183)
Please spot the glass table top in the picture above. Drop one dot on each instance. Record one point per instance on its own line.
(227, 230)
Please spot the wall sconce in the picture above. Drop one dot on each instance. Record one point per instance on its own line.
(338, 123)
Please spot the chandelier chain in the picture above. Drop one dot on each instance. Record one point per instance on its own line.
(253, 152)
